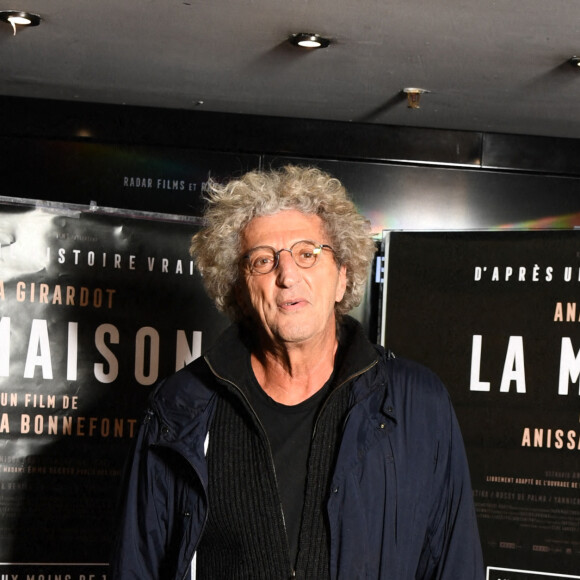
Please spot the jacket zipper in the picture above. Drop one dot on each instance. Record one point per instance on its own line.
(246, 400)
(336, 389)
(271, 457)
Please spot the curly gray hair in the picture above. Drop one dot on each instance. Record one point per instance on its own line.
(231, 207)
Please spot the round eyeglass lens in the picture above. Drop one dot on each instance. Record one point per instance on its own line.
(264, 259)
(305, 254)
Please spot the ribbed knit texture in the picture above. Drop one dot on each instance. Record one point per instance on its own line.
(313, 551)
(244, 537)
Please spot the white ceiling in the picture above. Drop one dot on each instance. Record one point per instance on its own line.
(490, 65)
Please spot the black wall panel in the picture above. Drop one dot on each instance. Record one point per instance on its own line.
(402, 178)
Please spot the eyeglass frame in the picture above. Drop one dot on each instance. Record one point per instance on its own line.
(277, 253)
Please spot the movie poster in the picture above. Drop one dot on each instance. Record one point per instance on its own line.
(497, 316)
(95, 308)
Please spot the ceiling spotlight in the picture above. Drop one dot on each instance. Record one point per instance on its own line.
(17, 18)
(414, 96)
(575, 61)
(307, 40)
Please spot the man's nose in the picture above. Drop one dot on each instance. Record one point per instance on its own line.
(287, 272)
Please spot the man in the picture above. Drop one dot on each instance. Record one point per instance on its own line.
(294, 448)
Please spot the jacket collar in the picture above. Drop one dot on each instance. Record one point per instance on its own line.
(229, 358)
(180, 402)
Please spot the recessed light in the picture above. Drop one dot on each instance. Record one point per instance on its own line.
(575, 61)
(309, 40)
(18, 18)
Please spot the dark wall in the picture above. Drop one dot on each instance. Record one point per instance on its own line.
(402, 178)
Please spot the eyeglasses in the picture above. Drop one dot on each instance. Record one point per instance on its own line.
(264, 259)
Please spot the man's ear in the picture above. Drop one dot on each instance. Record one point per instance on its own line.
(342, 281)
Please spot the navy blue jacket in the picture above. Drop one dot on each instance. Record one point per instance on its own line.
(400, 505)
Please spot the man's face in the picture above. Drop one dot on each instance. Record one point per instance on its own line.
(292, 304)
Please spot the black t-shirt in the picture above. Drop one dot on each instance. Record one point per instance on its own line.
(289, 429)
